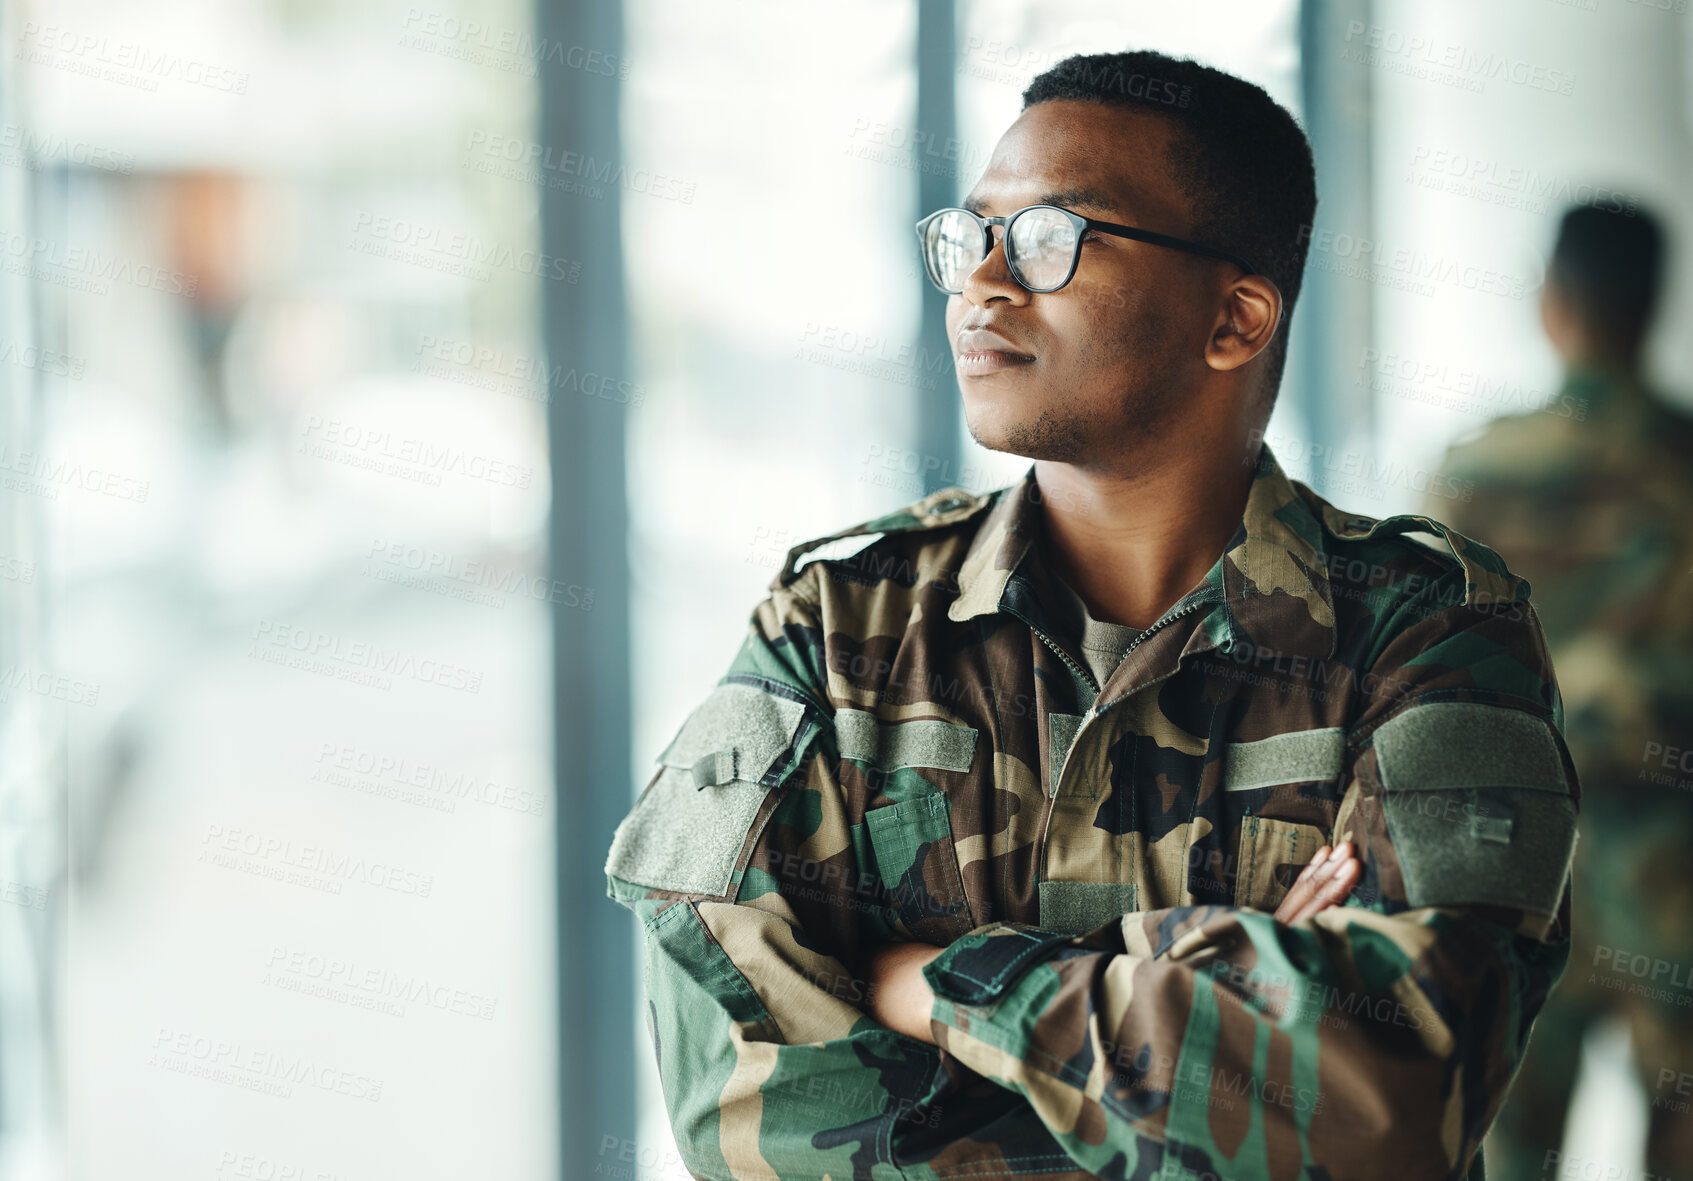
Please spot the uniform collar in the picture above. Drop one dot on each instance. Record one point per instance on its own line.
(1603, 388)
(1273, 574)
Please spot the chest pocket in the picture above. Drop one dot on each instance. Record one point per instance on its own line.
(1272, 855)
(1272, 851)
(908, 848)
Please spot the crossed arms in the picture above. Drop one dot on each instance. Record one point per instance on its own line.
(1216, 1038)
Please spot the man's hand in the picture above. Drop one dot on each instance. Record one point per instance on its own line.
(901, 1000)
(1325, 882)
(899, 996)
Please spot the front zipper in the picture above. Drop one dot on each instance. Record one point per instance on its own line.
(1085, 674)
(1081, 728)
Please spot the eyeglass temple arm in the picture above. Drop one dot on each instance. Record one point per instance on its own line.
(1158, 239)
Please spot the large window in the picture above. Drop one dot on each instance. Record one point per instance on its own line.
(293, 855)
(774, 304)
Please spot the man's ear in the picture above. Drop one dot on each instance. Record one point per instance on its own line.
(1246, 322)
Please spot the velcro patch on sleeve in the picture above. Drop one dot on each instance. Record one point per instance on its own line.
(1478, 805)
(687, 829)
(1454, 744)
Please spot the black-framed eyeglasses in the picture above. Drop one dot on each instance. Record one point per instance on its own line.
(1042, 245)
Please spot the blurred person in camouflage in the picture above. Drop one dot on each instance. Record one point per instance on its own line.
(1591, 500)
(1150, 816)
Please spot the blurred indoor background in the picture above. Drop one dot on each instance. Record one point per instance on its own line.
(405, 402)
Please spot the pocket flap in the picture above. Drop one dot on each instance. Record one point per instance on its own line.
(690, 825)
(738, 733)
(915, 861)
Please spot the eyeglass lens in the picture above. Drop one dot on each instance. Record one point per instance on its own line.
(1042, 246)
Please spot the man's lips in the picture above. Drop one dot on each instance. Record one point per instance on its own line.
(979, 362)
(981, 352)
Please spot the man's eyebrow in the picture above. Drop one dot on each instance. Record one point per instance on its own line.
(1064, 198)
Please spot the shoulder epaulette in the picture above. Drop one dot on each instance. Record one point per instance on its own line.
(946, 506)
(1486, 578)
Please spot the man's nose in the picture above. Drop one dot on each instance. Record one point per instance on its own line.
(992, 277)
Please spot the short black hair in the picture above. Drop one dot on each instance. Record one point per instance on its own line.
(1608, 265)
(1239, 156)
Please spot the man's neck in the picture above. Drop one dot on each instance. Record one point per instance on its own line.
(1133, 542)
(1611, 367)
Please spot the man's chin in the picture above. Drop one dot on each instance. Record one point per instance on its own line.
(996, 434)
(1039, 437)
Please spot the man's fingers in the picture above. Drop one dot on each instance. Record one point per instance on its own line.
(1303, 886)
(1330, 885)
(1334, 891)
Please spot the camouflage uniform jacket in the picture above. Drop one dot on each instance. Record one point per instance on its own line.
(905, 749)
